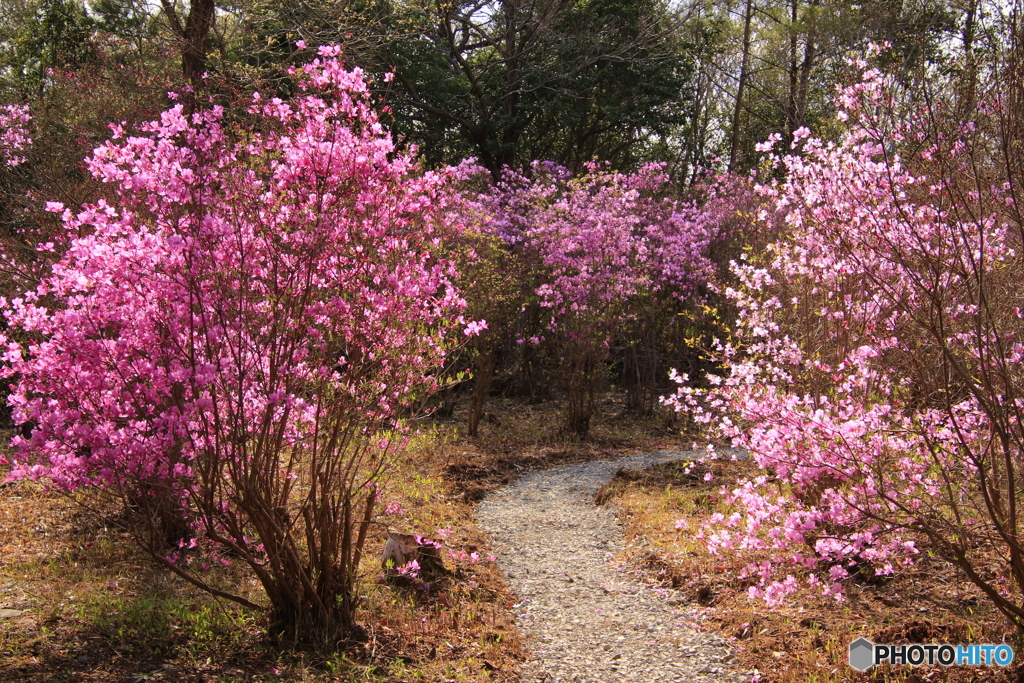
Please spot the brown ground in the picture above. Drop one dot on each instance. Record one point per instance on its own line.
(96, 609)
(807, 639)
(522, 437)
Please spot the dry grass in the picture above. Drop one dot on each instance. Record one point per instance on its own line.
(806, 640)
(97, 609)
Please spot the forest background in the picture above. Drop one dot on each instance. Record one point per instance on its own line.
(693, 85)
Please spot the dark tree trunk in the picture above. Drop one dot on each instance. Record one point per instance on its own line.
(744, 69)
(193, 35)
(794, 69)
(483, 376)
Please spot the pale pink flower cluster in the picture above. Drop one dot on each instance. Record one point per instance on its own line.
(410, 569)
(876, 278)
(598, 248)
(603, 238)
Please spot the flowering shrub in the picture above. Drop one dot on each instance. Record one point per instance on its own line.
(874, 372)
(599, 253)
(14, 134)
(72, 103)
(232, 333)
(603, 237)
(490, 279)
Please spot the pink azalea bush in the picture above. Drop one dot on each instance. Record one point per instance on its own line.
(599, 255)
(14, 134)
(602, 237)
(233, 333)
(874, 370)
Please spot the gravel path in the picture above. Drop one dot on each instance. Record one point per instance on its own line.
(587, 621)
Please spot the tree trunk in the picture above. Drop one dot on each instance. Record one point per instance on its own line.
(744, 69)
(582, 384)
(971, 76)
(483, 376)
(810, 56)
(794, 69)
(193, 35)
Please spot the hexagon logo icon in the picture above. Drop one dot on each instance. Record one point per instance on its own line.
(862, 654)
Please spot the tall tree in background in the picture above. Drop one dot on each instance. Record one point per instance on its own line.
(516, 80)
(741, 82)
(38, 36)
(695, 84)
(258, 36)
(789, 55)
(192, 34)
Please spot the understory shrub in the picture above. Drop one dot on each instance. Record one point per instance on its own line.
(605, 262)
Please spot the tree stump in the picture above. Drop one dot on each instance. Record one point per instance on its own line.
(402, 549)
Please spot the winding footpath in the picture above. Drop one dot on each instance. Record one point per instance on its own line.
(585, 620)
